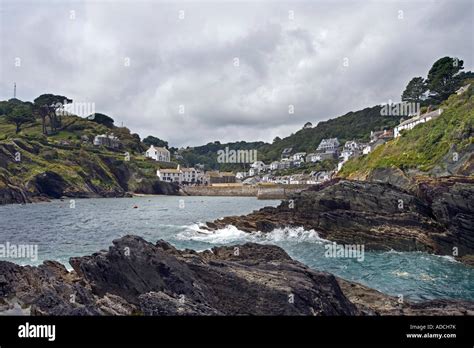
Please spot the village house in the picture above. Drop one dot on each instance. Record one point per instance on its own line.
(258, 166)
(377, 138)
(286, 153)
(384, 135)
(170, 175)
(274, 165)
(313, 157)
(189, 175)
(296, 163)
(412, 122)
(180, 175)
(328, 145)
(321, 176)
(284, 164)
(241, 175)
(298, 156)
(108, 140)
(158, 154)
(216, 177)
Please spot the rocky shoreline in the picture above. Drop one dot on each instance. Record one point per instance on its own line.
(436, 217)
(135, 277)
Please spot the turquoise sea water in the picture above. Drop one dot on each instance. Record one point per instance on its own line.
(60, 232)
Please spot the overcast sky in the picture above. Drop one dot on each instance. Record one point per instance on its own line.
(193, 72)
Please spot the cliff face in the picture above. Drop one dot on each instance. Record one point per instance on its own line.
(436, 216)
(32, 170)
(135, 277)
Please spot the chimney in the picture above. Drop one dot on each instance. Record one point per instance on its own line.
(178, 167)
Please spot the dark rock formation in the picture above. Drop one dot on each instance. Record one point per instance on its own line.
(49, 184)
(253, 279)
(135, 277)
(436, 217)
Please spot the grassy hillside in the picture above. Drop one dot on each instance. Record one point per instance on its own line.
(431, 148)
(63, 164)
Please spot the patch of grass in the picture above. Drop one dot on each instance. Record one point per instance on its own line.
(424, 146)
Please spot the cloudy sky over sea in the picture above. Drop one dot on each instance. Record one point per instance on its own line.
(193, 72)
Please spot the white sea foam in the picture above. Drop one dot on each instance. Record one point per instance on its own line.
(231, 234)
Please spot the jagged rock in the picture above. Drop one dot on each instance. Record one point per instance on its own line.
(436, 217)
(256, 279)
(135, 277)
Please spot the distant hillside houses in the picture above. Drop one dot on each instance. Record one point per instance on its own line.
(158, 154)
(351, 149)
(377, 138)
(108, 140)
(412, 122)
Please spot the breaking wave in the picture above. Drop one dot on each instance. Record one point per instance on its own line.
(231, 234)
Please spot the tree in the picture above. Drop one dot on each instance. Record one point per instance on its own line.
(46, 106)
(20, 115)
(151, 140)
(444, 78)
(414, 91)
(101, 119)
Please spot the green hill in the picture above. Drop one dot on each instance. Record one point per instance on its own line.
(442, 146)
(353, 125)
(34, 166)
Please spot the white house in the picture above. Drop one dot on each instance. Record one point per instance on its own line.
(321, 176)
(298, 156)
(351, 145)
(258, 166)
(274, 165)
(367, 149)
(313, 157)
(180, 175)
(108, 140)
(158, 154)
(284, 164)
(170, 175)
(412, 122)
(189, 175)
(328, 145)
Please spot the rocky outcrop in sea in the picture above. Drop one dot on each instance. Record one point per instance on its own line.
(136, 277)
(435, 216)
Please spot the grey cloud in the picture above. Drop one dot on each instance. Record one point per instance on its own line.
(190, 61)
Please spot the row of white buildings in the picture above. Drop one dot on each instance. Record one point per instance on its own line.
(181, 175)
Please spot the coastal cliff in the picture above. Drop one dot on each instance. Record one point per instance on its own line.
(135, 277)
(34, 170)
